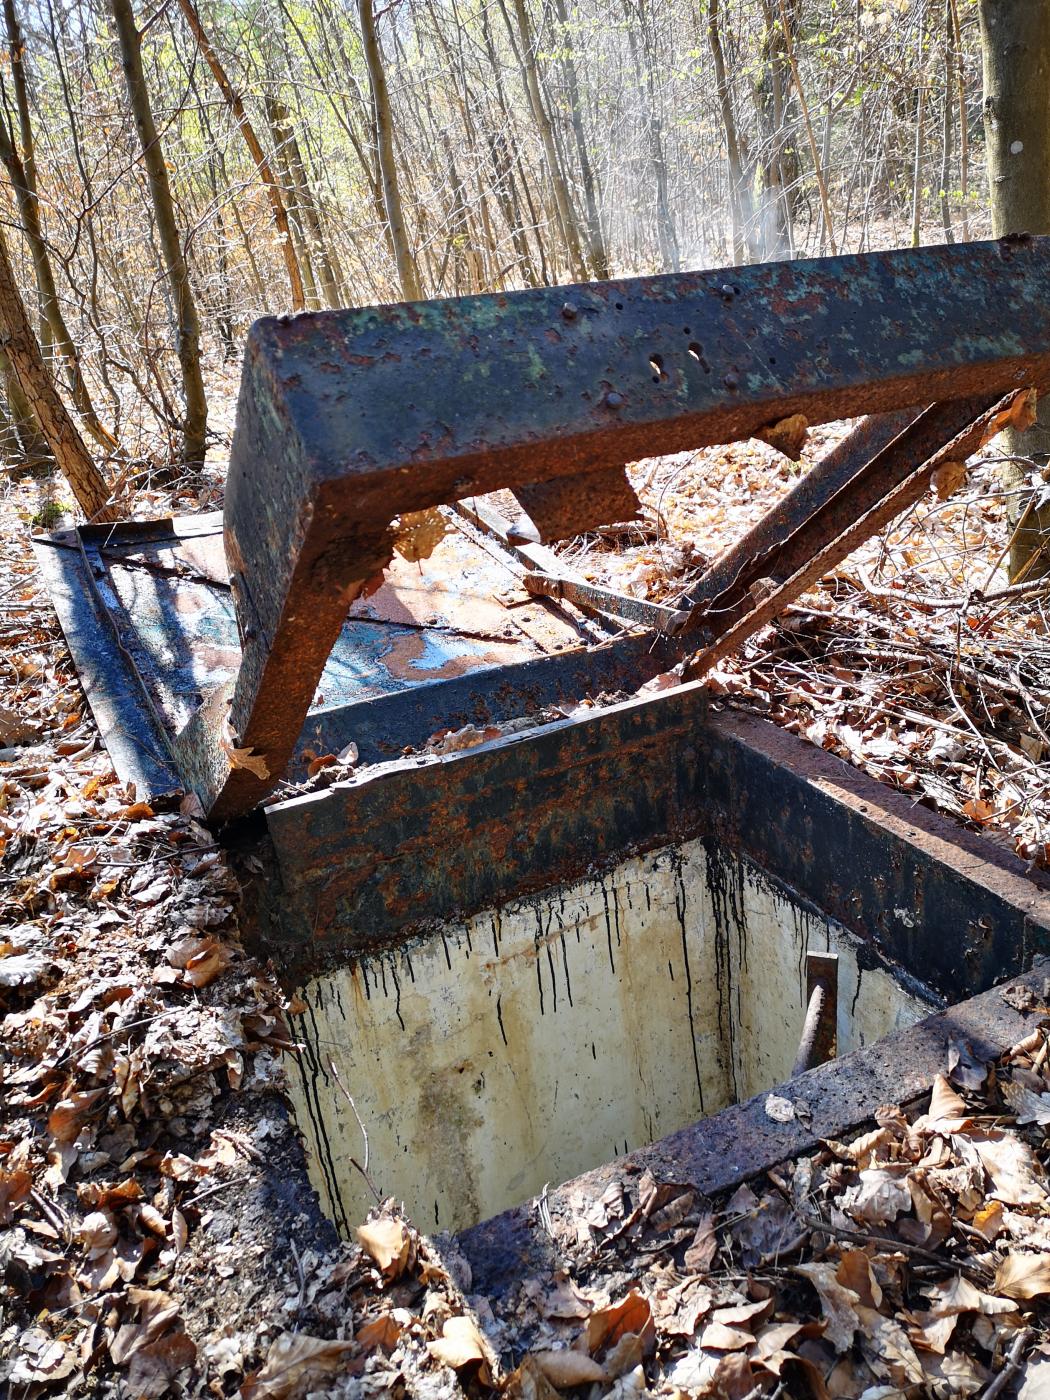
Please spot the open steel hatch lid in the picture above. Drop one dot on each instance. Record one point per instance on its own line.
(219, 656)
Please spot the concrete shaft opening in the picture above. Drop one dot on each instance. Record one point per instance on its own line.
(528, 1044)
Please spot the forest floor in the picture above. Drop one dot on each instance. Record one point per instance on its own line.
(156, 1231)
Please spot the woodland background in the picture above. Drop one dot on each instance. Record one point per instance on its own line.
(174, 173)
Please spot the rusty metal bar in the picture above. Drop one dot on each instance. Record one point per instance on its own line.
(746, 559)
(807, 526)
(349, 420)
(762, 606)
(606, 600)
(818, 1041)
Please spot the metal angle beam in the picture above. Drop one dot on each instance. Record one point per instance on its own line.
(848, 524)
(347, 420)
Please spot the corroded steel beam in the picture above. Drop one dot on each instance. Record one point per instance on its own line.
(848, 524)
(350, 419)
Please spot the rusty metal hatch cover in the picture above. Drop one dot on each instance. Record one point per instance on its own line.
(218, 654)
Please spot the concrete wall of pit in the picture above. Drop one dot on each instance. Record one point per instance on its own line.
(528, 1044)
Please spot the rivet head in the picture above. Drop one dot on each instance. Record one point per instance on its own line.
(726, 290)
(731, 381)
(613, 400)
(568, 311)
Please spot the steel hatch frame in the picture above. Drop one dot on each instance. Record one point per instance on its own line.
(349, 421)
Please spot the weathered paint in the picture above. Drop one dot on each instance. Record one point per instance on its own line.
(347, 420)
(528, 1044)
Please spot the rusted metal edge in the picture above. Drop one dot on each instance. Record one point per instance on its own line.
(126, 721)
(837, 528)
(742, 1142)
(374, 859)
(742, 562)
(636, 611)
(346, 420)
(383, 727)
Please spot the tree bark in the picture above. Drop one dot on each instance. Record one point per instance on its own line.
(407, 274)
(1015, 48)
(562, 198)
(187, 329)
(739, 198)
(59, 431)
(21, 170)
(262, 165)
(599, 258)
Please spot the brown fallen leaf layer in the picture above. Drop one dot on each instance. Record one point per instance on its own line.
(909, 1261)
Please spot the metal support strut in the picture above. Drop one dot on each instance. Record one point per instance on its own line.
(818, 1043)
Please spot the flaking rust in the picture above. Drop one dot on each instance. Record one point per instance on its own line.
(351, 423)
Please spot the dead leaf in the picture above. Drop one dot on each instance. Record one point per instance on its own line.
(839, 1303)
(1035, 1377)
(716, 1336)
(71, 1113)
(382, 1333)
(565, 1369)
(155, 1365)
(945, 1104)
(461, 1344)
(949, 478)
(788, 435)
(880, 1195)
(15, 1186)
(40, 1359)
(1023, 1276)
(886, 1348)
(855, 1272)
(701, 1253)
(242, 757)
(1014, 1171)
(418, 533)
(1028, 1106)
(200, 960)
(388, 1243)
(780, 1110)
(606, 1326)
(964, 1068)
(294, 1364)
(988, 1222)
(529, 1383)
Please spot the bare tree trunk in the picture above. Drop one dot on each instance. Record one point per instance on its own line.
(599, 258)
(276, 115)
(739, 199)
(30, 443)
(60, 432)
(814, 154)
(262, 165)
(21, 170)
(406, 263)
(920, 135)
(665, 229)
(328, 282)
(964, 132)
(187, 330)
(947, 122)
(562, 198)
(1015, 45)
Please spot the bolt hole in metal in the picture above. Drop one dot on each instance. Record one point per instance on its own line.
(656, 364)
(697, 352)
